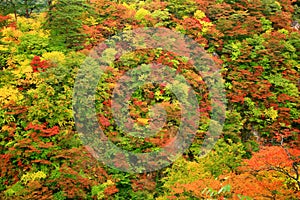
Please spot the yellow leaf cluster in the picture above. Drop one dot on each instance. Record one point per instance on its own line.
(15, 60)
(142, 121)
(32, 177)
(8, 94)
(271, 113)
(55, 57)
(32, 25)
(206, 25)
(199, 14)
(10, 34)
(3, 48)
(27, 24)
(91, 21)
(23, 68)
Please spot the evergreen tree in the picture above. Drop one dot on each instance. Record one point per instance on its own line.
(64, 21)
(21, 7)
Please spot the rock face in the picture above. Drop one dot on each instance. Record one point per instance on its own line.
(295, 25)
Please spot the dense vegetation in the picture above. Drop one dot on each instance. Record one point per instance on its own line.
(43, 44)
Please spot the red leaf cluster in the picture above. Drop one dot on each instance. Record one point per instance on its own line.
(104, 121)
(37, 64)
(43, 130)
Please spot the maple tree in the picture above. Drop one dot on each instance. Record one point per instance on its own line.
(279, 159)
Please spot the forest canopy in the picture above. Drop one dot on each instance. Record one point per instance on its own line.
(47, 46)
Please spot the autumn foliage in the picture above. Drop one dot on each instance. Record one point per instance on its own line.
(37, 64)
(251, 42)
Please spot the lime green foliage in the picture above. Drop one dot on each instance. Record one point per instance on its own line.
(184, 171)
(233, 125)
(163, 18)
(284, 86)
(141, 14)
(33, 44)
(15, 190)
(267, 24)
(225, 158)
(234, 49)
